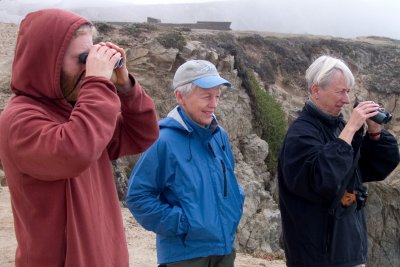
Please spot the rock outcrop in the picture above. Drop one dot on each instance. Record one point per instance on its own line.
(279, 63)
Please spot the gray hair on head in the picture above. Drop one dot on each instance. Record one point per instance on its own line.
(321, 70)
(185, 89)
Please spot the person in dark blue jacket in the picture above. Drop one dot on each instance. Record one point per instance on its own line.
(183, 187)
(323, 164)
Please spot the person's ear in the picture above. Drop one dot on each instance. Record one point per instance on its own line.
(179, 97)
(315, 91)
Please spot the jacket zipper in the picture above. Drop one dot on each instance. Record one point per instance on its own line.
(225, 180)
(225, 189)
(211, 150)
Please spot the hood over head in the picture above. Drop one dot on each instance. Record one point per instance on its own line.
(43, 39)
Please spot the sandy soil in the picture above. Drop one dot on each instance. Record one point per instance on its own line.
(141, 243)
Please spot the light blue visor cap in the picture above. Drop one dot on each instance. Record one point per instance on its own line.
(211, 82)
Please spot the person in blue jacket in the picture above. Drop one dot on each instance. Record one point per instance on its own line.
(183, 187)
(323, 164)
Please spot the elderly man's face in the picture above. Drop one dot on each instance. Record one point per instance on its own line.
(200, 104)
(332, 97)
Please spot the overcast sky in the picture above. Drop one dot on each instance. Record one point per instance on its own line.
(136, 2)
(340, 18)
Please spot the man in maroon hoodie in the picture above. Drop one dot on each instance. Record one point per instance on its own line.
(72, 113)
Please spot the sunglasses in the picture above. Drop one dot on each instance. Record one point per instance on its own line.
(83, 57)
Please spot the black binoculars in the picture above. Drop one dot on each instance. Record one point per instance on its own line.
(83, 57)
(361, 197)
(382, 117)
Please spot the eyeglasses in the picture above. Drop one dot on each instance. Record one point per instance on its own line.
(83, 57)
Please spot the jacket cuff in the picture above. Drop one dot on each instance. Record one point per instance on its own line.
(123, 91)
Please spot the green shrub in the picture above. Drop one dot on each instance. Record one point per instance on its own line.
(133, 29)
(270, 116)
(103, 28)
(184, 29)
(172, 40)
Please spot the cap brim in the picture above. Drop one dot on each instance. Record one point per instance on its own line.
(211, 81)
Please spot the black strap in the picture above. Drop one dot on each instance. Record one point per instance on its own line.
(345, 183)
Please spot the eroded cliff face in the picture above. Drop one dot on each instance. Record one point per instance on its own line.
(279, 62)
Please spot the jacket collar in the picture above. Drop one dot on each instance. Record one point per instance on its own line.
(329, 120)
(185, 122)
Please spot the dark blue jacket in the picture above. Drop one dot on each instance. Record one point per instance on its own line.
(312, 167)
(184, 189)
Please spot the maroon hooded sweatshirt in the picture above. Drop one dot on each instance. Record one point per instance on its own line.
(56, 156)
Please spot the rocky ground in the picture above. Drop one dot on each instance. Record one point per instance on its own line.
(279, 62)
(141, 243)
(7, 44)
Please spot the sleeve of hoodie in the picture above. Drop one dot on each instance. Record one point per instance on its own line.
(378, 158)
(311, 168)
(50, 146)
(137, 126)
(148, 180)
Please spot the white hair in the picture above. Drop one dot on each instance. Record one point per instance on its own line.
(185, 89)
(322, 69)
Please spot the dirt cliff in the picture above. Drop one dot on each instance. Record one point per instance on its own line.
(279, 63)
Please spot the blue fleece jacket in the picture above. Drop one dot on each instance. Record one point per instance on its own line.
(184, 189)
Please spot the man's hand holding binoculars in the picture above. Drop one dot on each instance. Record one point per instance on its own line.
(107, 60)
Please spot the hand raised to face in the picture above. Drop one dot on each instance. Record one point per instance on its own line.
(101, 60)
